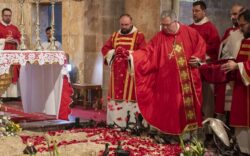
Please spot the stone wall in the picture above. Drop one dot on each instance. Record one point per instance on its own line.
(145, 15)
(218, 12)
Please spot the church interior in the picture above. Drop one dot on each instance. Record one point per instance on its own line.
(74, 80)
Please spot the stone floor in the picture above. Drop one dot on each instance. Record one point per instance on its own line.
(75, 122)
(49, 125)
(46, 125)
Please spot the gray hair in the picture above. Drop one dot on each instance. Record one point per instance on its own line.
(169, 13)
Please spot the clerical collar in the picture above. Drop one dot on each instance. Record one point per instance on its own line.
(204, 20)
(5, 24)
(131, 32)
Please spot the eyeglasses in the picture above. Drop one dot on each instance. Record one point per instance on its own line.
(167, 25)
(7, 15)
(243, 24)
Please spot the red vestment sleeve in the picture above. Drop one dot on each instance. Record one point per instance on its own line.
(213, 43)
(107, 46)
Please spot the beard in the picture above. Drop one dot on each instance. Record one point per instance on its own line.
(235, 22)
(246, 33)
(196, 19)
(7, 21)
(125, 31)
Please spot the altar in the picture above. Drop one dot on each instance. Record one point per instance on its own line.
(40, 79)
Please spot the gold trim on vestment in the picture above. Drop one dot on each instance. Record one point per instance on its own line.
(124, 39)
(125, 85)
(131, 87)
(116, 42)
(186, 86)
(245, 46)
(124, 43)
(247, 53)
(245, 75)
(113, 39)
(191, 127)
(133, 40)
(112, 84)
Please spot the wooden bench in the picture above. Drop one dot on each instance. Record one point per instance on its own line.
(87, 95)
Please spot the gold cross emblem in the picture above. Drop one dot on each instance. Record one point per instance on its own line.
(188, 101)
(190, 115)
(171, 54)
(186, 88)
(181, 61)
(178, 48)
(184, 75)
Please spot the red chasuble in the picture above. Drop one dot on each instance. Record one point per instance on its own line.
(240, 110)
(6, 31)
(211, 36)
(10, 30)
(168, 89)
(122, 84)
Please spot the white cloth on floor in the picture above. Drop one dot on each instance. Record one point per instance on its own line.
(243, 139)
(117, 112)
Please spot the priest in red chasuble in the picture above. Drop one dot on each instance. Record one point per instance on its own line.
(122, 101)
(211, 36)
(9, 33)
(168, 84)
(240, 109)
(9, 40)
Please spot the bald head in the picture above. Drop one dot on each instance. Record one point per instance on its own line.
(126, 23)
(235, 11)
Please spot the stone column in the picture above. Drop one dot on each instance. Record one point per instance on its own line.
(146, 15)
(73, 33)
(112, 9)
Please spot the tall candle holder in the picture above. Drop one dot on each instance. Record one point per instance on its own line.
(38, 46)
(22, 45)
(52, 38)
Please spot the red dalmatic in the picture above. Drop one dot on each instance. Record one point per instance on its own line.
(211, 36)
(122, 84)
(240, 110)
(169, 90)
